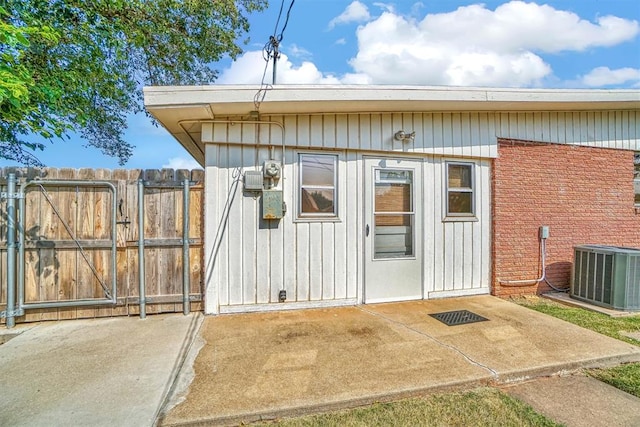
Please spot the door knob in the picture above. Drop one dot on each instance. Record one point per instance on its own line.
(366, 230)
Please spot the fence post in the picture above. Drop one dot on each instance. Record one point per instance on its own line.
(185, 249)
(142, 295)
(11, 249)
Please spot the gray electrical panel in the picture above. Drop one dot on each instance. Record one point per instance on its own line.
(253, 181)
(272, 204)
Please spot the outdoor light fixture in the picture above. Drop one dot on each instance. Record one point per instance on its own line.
(404, 137)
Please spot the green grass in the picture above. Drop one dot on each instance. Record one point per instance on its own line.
(625, 377)
(479, 407)
(602, 323)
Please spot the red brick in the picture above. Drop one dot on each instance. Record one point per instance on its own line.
(584, 194)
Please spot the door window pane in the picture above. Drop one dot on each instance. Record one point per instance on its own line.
(393, 214)
(393, 197)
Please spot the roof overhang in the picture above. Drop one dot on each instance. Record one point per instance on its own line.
(181, 109)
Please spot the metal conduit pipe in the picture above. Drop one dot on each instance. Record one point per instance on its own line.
(185, 248)
(181, 123)
(142, 296)
(528, 282)
(543, 235)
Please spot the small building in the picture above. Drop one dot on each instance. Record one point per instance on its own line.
(338, 195)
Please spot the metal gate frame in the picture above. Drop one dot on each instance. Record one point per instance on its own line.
(185, 243)
(16, 283)
(15, 303)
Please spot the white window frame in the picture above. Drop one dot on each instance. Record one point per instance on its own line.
(318, 216)
(460, 216)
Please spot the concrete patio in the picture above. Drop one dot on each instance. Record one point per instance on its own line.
(261, 366)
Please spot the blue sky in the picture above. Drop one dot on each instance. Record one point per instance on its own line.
(553, 44)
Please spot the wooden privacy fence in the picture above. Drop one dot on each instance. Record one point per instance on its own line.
(78, 244)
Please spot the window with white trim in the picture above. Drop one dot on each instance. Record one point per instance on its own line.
(460, 190)
(636, 177)
(317, 197)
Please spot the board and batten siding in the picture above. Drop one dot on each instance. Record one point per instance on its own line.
(446, 134)
(249, 260)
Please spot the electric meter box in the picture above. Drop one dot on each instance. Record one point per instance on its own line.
(272, 204)
(253, 181)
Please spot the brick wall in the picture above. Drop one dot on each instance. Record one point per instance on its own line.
(584, 194)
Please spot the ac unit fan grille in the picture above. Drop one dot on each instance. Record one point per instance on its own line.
(607, 276)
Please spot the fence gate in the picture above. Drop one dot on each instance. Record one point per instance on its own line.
(95, 243)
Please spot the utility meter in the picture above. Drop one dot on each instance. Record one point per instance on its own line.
(271, 169)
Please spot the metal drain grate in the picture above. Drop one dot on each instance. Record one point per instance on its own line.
(458, 317)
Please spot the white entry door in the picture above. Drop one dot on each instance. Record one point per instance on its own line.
(393, 234)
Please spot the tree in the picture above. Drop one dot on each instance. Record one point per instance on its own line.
(74, 66)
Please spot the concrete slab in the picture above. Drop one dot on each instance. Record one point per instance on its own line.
(579, 401)
(263, 365)
(517, 343)
(257, 365)
(98, 372)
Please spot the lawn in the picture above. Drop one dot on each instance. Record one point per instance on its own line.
(602, 323)
(479, 407)
(625, 377)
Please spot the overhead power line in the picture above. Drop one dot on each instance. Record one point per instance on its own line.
(272, 50)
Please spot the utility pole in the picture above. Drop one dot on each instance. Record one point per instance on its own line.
(276, 54)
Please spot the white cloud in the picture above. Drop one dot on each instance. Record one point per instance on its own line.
(603, 76)
(249, 68)
(298, 52)
(355, 12)
(519, 25)
(341, 41)
(182, 163)
(470, 46)
(477, 46)
(388, 7)
(246, 69)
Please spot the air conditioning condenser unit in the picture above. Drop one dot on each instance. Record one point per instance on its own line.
(608, 276)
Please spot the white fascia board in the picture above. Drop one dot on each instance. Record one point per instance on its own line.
(301, 99)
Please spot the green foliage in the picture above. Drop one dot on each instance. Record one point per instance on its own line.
(71, 66)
